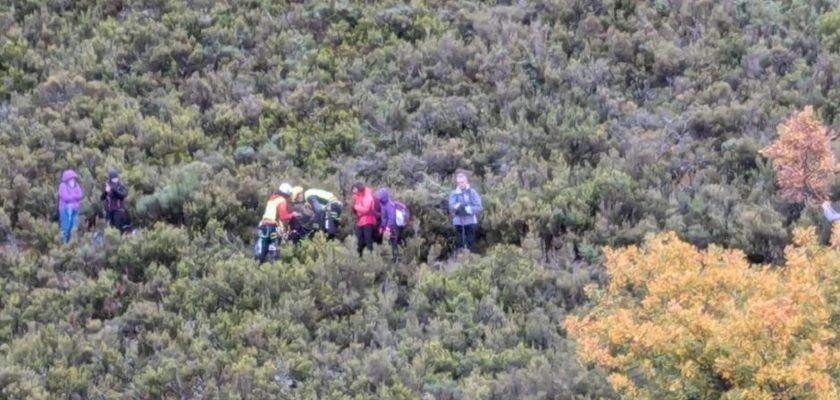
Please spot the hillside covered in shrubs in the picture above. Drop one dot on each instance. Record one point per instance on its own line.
(583, 123)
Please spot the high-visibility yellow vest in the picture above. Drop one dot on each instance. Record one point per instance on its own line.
(324, 197)
(270, 215)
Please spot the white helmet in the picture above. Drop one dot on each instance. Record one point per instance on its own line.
(285, 188)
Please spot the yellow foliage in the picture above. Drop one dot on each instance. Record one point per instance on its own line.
(835, 235)
(803, 158)
(676, 320)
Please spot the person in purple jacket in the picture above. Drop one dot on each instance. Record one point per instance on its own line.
(388, 228)
(70, 196)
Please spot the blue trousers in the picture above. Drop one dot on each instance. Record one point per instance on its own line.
(68, 219)
(267, 237)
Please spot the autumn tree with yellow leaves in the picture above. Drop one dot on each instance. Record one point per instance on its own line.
(802, 158)
(679, 322)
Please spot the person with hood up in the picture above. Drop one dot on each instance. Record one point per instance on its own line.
(365, 208)
(70, 196)
(388, 228)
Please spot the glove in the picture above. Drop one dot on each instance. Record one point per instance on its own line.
(468, 209)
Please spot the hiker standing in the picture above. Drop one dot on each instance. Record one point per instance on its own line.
(114, 197)
(365, 207)
(70, 196)
(465, 205)
(388, 228)
(394, 219)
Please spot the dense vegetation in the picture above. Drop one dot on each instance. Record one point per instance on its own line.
(585, 122)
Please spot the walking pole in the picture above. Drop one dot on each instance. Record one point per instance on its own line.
(463, 237)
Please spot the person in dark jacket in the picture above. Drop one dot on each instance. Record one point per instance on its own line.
(465, 205)
(114, 197)
(303, 225)
(388, 227)
(70, 196)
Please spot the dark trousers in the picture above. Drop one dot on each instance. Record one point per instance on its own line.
(299, 230)
(328, 218)
(117, 220)
(396, 241)
(466, 237)
(364, 238)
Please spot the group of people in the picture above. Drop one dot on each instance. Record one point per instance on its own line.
(378, 216)
(71, 194)
(294, 213)
(286, 216)
(281, 219)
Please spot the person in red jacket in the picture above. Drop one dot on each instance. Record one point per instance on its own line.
(365, 208)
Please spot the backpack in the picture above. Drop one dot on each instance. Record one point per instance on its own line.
(402, 213)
